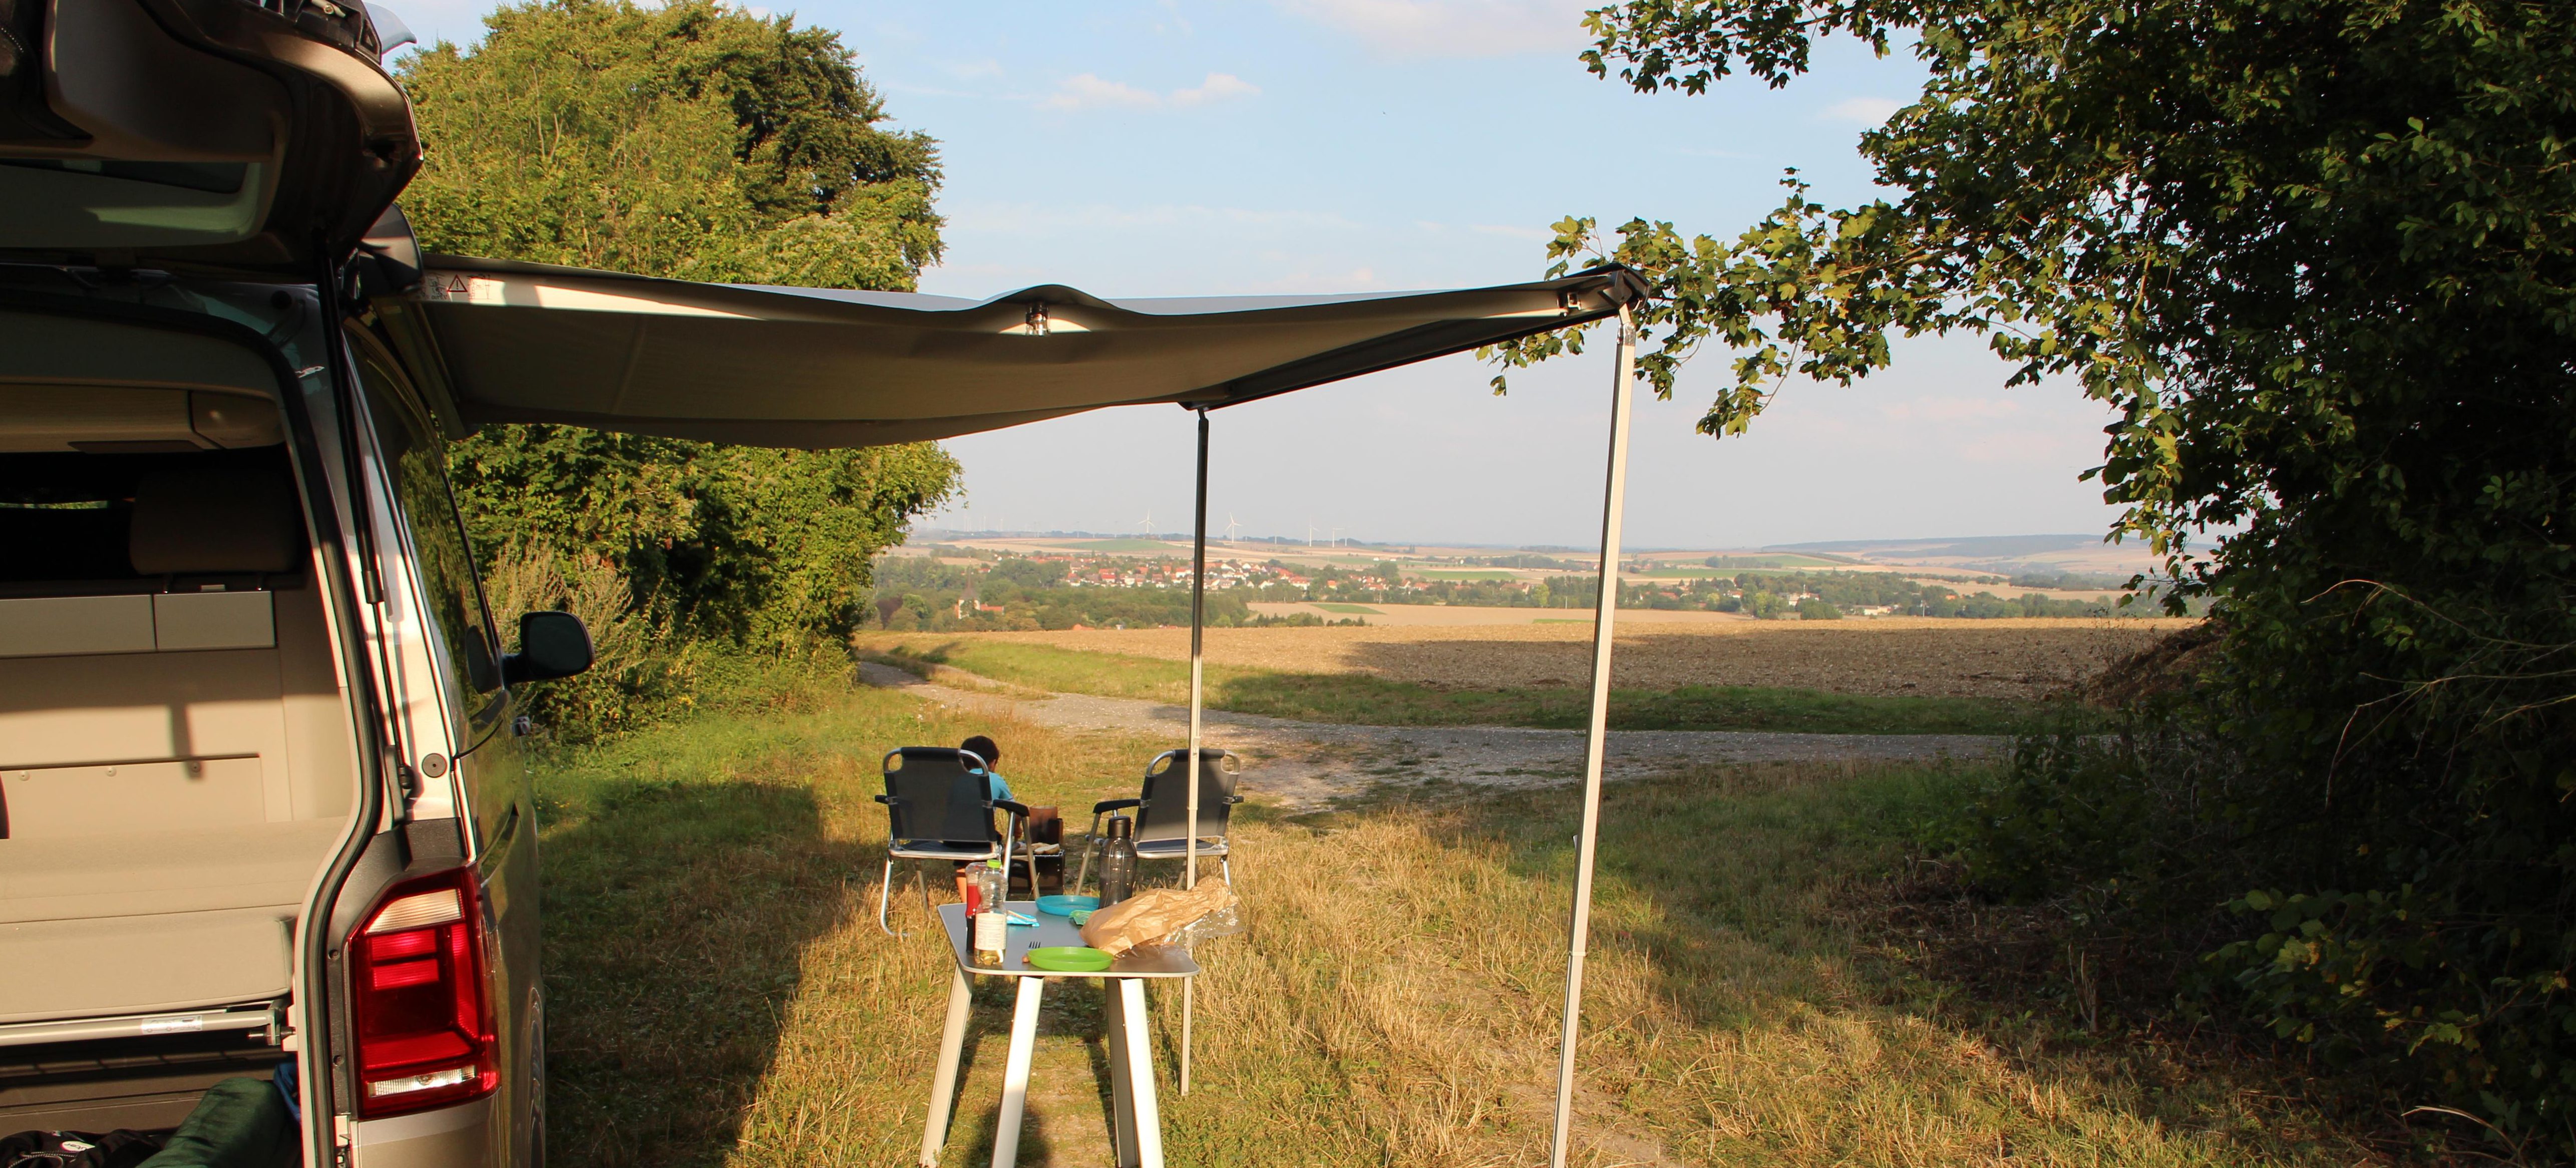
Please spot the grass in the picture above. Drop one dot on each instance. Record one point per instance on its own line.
(1330, 606)
(1363, 699)
(719, 994)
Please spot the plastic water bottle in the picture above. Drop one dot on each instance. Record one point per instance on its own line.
(1118, 861)
(992, 920)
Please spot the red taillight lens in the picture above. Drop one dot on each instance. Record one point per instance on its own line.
(423, 1021)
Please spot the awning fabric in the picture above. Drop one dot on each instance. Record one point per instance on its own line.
(815, 368)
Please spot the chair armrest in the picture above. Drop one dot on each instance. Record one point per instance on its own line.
(1231, 800)
(1106, 806)
(890, 800)
(1019, 809)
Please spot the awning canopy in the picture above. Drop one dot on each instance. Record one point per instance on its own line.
(814, 368)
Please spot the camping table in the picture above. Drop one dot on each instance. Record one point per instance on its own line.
(1131, 1062)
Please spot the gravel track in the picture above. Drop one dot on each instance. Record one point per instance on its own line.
(1305, 763)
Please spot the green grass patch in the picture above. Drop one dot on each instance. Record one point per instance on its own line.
(718, 993)
(1374, 701)
(1336, 606)
(1460, 574)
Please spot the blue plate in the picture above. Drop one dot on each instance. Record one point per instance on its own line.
(1063, 906)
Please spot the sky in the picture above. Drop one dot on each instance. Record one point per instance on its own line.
(1318, 146)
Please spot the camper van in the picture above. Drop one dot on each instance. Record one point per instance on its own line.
(260, 810)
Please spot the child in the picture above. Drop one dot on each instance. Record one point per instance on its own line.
(997, 788)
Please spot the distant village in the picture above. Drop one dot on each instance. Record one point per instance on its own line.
(968, 587)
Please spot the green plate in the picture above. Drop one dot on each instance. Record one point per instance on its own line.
(1067, 959)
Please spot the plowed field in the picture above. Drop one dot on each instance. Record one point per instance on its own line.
(1946, 658)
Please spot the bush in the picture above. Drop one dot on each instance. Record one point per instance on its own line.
(2423, 955)
(642, 673)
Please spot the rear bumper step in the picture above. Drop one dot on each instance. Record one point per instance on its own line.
(262, 1017)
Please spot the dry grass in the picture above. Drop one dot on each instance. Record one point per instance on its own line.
(2013, 659)
(720, 994)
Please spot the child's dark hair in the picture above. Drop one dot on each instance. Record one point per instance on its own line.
(983, 748)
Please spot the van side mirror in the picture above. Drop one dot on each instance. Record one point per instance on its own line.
(551, 645)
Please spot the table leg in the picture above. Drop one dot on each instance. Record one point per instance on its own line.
(943, 1085)
(1015, 1073)
(1122, 1112)
(1138, 1072)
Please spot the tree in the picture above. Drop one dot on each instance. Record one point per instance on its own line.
(697, 142)
(687, 140)
(2320, 255)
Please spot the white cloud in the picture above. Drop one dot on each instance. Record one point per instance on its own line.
(1091, 91)
(1951, 409)
(1046, 218)
(1453, 28)
(1217, 87)
(1866, 111)
(1088, 91)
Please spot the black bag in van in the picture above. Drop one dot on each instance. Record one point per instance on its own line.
(62, 1149)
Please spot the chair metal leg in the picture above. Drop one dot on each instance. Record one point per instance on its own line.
(885, 894)
(1015, 1073)
(943, 1084)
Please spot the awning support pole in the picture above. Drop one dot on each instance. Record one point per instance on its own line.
(1198, 675)
(1614, 507)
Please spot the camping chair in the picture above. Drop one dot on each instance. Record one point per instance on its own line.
(939, 806)
(1163, 810)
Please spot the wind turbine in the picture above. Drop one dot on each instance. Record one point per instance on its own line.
(1146, 525)
(1230, 526)
(1336, 540)
(1310, 535)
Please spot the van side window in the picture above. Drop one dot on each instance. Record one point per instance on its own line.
(416, 462)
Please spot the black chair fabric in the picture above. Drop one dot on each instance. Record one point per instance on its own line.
(1164, 810)
(936, 794)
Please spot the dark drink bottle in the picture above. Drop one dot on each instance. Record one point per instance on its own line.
(1118, 861)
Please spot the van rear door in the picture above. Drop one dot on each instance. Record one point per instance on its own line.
(218, 136)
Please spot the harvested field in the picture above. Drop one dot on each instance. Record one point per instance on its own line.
(2013, 659)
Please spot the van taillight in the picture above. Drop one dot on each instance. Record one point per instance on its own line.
(423, 1022)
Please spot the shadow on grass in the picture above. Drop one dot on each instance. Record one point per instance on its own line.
(676, 915)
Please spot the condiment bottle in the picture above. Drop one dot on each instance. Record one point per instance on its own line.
(1118, 861)
(992, 920)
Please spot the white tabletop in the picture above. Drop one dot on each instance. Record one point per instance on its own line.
(1051, 931)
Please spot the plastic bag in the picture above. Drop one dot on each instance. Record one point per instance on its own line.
(1224, 922)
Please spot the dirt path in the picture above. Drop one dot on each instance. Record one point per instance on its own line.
(1303, 763)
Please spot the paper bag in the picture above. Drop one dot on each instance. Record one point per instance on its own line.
(1152, 915)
